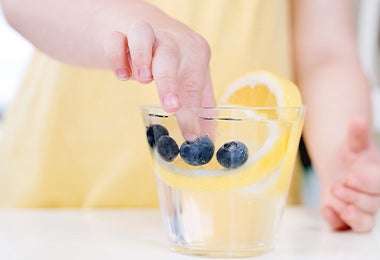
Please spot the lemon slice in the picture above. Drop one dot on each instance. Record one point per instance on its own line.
(268, 132)
(262, 89)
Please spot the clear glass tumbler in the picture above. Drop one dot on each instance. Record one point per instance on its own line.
(223, 195)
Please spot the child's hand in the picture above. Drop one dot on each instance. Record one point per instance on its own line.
(354, 201)
(175, 57)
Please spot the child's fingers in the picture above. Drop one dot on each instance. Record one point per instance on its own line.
(208, 100)
(193, 71)
(333, 219)
(363, 201)
(193, 77)
(367, 181)
(358, 220)
(141, 40)
(165, 73)
(117, 55)
(358, 149)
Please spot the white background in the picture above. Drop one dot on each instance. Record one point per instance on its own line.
(15, 53)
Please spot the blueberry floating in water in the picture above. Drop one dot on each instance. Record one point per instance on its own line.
(232, 154)
(154, 132)
(198, 152)
(167, 148)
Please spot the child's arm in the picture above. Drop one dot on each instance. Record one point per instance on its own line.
(131, 37)
(336, 93)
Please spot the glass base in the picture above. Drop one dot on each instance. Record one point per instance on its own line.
(223, 224)
(222, 253)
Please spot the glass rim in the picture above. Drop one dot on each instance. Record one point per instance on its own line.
(229, 107)
(238, 112)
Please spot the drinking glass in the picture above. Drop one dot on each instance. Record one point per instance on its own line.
(223, 195)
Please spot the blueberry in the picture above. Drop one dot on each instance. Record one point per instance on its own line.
(167, 148)
(232, 154)
(198, 152)
(154, 132)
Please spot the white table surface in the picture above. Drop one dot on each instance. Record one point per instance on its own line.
(138, 234)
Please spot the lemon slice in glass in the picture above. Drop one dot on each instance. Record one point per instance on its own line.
(266, 131)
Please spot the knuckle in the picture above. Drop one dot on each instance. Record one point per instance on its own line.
(167, 48)
(113, 56)
(165, 78)
(201, 45)
(138, 56)
(195, 43)
(191, 82)
(138, 23)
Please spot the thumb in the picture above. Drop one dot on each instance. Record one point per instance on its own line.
(357, 139)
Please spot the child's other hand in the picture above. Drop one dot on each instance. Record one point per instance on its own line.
(354, 201)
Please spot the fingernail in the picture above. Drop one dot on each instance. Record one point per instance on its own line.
(145, 73)
(123, 74)
(171, 102)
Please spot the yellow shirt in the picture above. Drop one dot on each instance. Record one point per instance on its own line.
(75, 138)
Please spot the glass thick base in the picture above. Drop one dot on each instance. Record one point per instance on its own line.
(225, 224)
(223, 252)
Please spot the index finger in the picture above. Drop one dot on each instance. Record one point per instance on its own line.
(193, 78)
